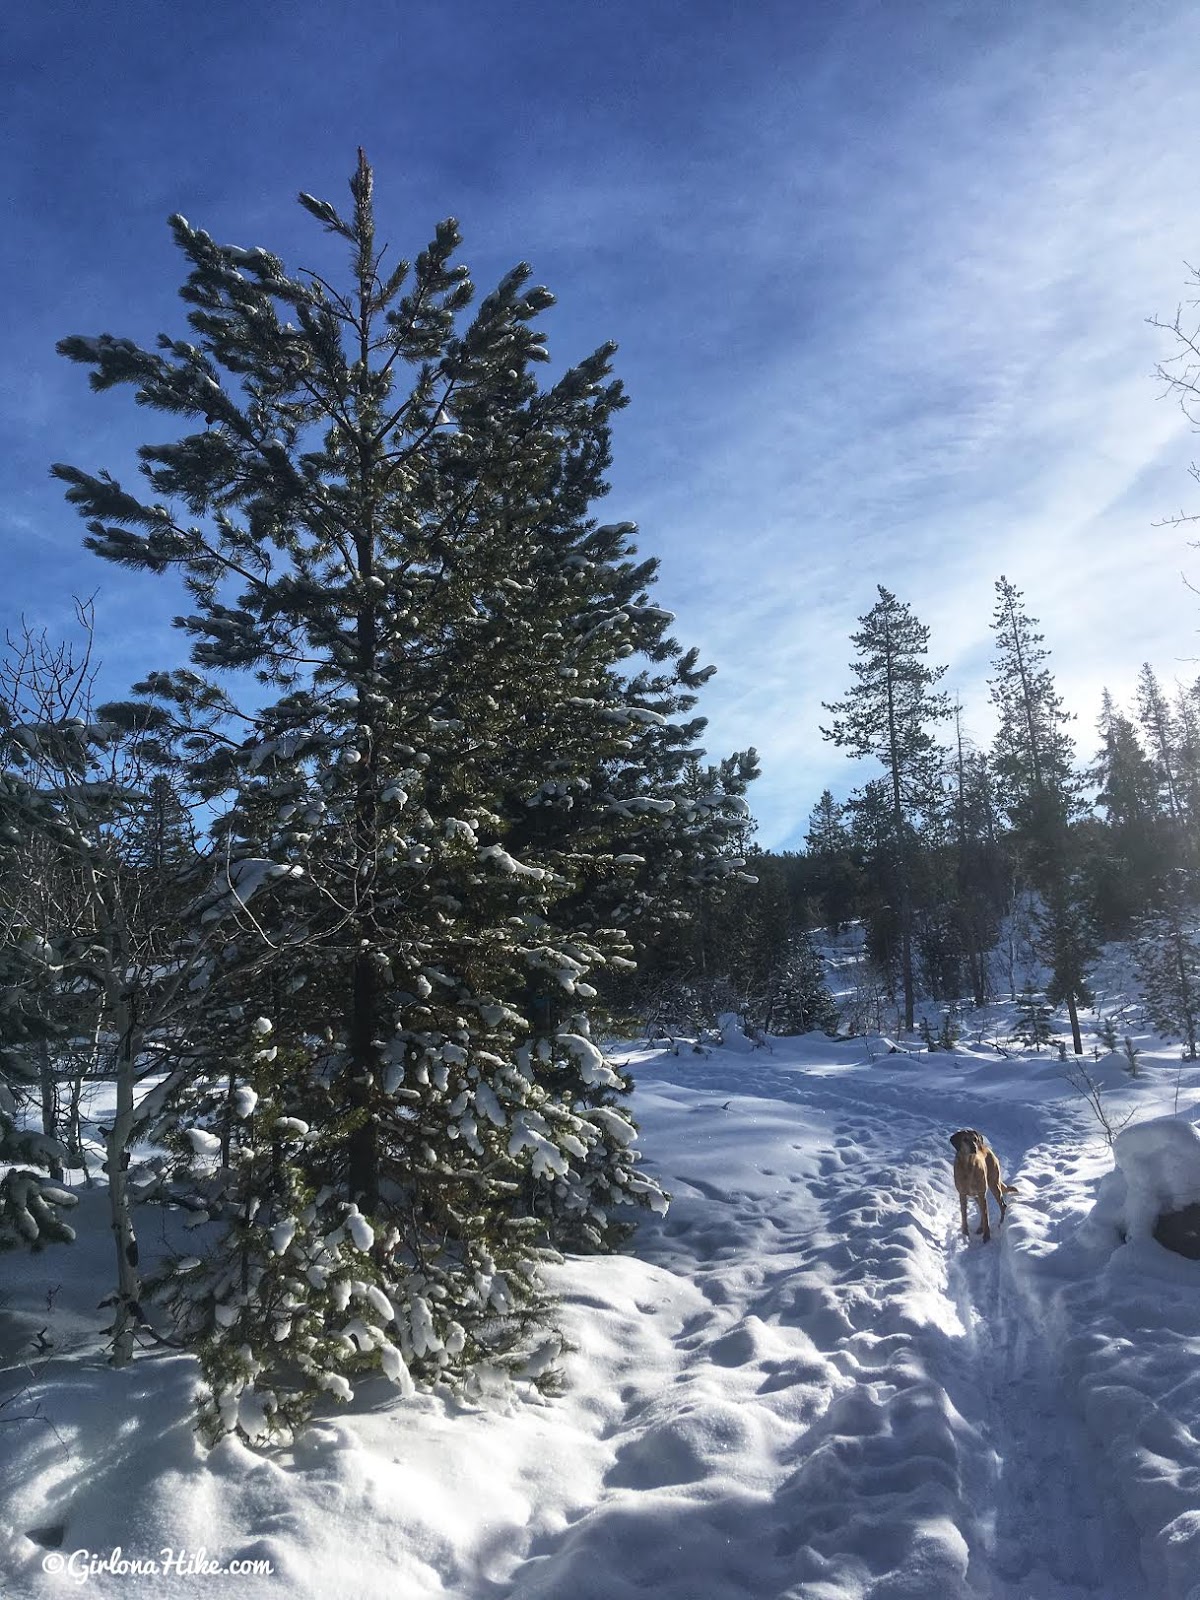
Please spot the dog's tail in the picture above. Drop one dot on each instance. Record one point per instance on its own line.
(1008, 1188)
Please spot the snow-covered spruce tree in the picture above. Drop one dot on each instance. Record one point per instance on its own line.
(383, 517)
(295, 1269)
(700, 848)
(1166, 948)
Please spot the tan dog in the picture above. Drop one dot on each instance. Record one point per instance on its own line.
(976, 1170)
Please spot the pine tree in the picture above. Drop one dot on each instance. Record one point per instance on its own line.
(1033, 755)
(1067, 940)
(161, 841)
(938, 923)
(881, 894)
(801, 1002)
(1135, 844)
(835, 874)
(1157, 723)
(687, 895)
(1187, 768)
(1033, 758)
(979, 868)
(383, 518)
(887, 715)
(1166, 946)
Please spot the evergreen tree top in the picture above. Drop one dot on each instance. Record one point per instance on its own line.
(888, 711)
(1033, 753)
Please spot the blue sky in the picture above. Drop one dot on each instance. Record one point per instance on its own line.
(879, 274)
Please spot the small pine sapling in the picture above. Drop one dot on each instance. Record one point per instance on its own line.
(802, 1002)
(1033, 1026)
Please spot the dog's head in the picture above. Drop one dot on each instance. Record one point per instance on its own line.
(968, 1141)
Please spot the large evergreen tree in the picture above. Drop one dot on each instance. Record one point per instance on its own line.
(888, 715)
(444, 770)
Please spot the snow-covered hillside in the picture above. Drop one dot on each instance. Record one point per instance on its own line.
(801, 1382)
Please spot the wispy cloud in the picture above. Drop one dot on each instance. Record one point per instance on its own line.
(879, 275)
(973, 398)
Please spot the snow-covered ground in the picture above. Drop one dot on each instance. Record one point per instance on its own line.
(801, 1382)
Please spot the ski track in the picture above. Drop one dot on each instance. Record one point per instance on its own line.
(1055, 1527)
(919, 1441)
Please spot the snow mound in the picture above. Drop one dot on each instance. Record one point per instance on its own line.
(733, 1034)
(1123, 1313)
(1157, 1171)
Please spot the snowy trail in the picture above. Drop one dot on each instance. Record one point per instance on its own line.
(1053, 1527)
(799, 1384)
(972, 1471)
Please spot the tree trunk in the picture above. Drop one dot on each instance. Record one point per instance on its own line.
(906, 959)
(74, 1128)
(129, 1283)
(363, 1144)
(1186, 996)
(1073, 1013)
(49, 1106)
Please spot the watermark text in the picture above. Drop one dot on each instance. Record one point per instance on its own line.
(80, 1565)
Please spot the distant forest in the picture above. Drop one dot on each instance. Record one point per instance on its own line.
(953, 859)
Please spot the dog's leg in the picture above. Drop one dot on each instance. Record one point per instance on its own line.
(962, 1200)
(985, 1224)
(998, 1188)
